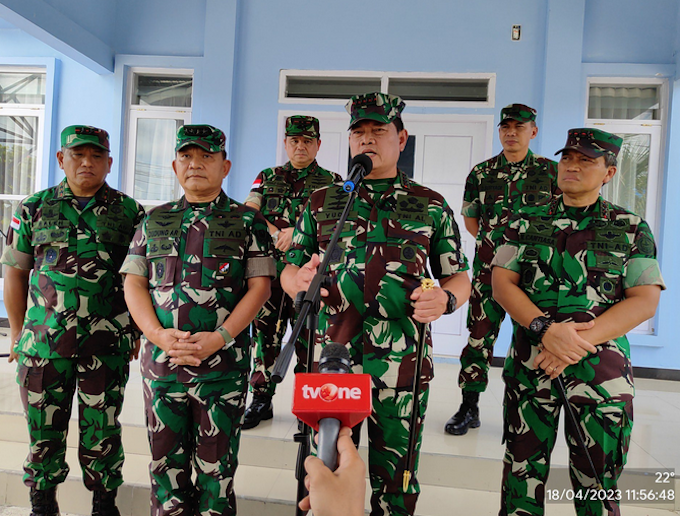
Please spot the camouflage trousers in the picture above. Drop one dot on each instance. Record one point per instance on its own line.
(267, 340)
(199, 424)
(388, 431)
(485, 316)
(531, 417)
(47, 388)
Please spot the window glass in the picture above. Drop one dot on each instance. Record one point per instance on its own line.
(624, 102)
(154, 90)
(451, 90)
(423, 89)
(18, 154)
(22, 88)
(628, 188)
(155, 145)
(330, 87)
(18, 164)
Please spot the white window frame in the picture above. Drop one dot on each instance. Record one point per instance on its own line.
(657, 131)
(384, 86)
(136, 112)
(27, 110)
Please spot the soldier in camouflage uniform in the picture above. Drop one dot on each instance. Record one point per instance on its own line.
(575, 276)
(375, 303)
(197, 272)
(69, 321)
(280, 193)
(494, 190)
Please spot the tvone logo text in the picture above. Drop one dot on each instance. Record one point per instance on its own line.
(331, 392)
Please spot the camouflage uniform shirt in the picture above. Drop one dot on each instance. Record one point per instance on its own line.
(198, 259)
(76, 306)
(574, 264)
(495, 189)
(282, 192)
(393, 228)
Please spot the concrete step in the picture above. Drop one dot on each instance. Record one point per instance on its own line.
(265, 483)
(440, 470)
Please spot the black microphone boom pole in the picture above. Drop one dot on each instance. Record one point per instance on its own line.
(580, 439)
(309, 308)
(313, 294)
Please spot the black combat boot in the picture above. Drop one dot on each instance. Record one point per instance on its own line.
(260, 409)
(466, 417)
(44, 502)
(104, 503)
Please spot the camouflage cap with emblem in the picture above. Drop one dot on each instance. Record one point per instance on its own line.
(76, 135)
(592, 142)
(300, 125)
(377, 106)
(518, 112)
(206, 137)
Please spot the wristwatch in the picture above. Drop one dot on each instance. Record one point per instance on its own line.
(451, 303)
(540, 325)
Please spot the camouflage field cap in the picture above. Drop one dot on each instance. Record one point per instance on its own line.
(75, 135)
(299, 125)
(380, 107)
(592, 142)
(519, 112)
(205, 136)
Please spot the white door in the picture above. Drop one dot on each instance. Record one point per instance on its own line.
(446, 149)
(443, 150)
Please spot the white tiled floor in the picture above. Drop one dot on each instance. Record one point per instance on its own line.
(453, 462)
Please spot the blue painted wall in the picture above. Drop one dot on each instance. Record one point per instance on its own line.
(630, 31)
(95, 17)
(237, 49)
(163, 27)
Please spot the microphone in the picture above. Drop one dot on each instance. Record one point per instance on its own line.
(360, 166)
(331, 398)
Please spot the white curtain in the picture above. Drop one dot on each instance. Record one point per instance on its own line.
(154, 178)
(623, 102)
(18, 149)
(628, 188)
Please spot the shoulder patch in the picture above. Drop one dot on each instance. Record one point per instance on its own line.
(645, 245)
(16, 223)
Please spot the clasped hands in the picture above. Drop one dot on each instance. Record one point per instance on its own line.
(186, 349)
(562, 346)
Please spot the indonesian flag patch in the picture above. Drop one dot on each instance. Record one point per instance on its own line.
(257, 183)
(16, 223)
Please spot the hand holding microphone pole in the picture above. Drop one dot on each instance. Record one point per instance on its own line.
(334, 359)
(360, 166)
(338, 493)
(331, 399)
